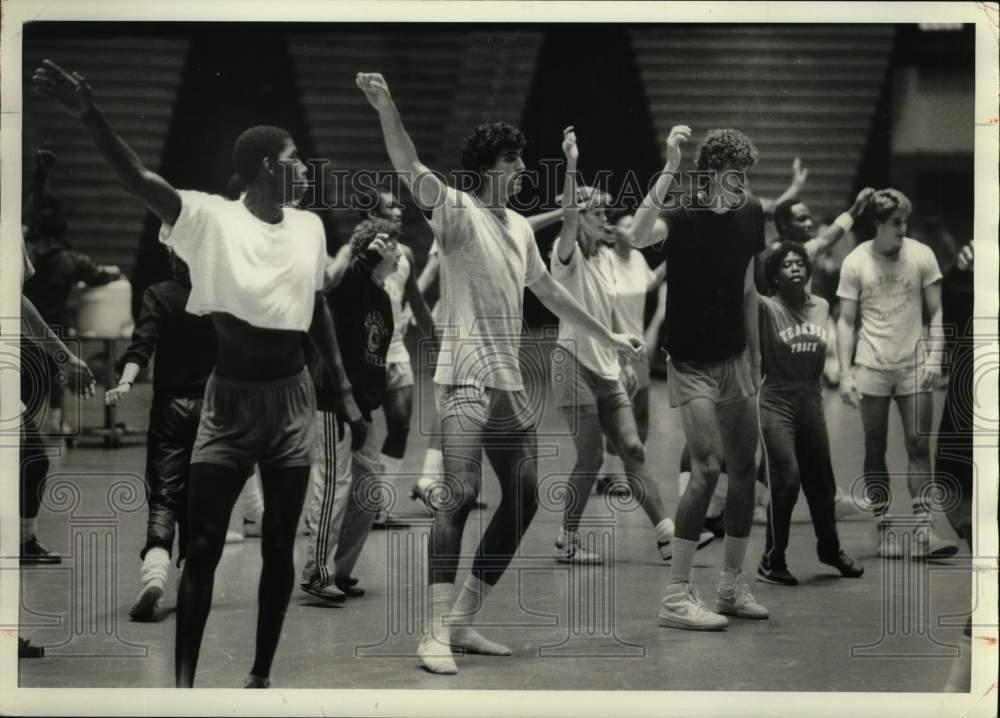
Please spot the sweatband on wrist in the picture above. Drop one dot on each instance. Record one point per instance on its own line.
(845, 221)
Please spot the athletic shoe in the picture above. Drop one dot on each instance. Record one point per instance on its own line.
(328, 592)
(34, 552)
(612, 486)
(347, 585)
(736, 600)
(844, 504)
(25, 649)
(667, 552)
(385, 521)
(252, 681)
(929, 544)
(760, 515)
(776, 573)
(889, 545)
(717, 525)
(253, 529)
(144, 608)
(234, 536)
(848, 566)
(684, 608)
(572, 552)
(417, 494)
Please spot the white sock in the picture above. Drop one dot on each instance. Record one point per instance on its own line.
(735, 551)
(434, 649)
(683, 558)
(718, 501)
(154, 567)
(664, 531)
(463, 615)
(442, 595)
(28, 529)
(432, 470)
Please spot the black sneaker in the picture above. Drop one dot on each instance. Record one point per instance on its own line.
(846, 564)
(776, 574)
(349, 587)
(32, 551)
(612, 486)
(26, 650)
(717, 525)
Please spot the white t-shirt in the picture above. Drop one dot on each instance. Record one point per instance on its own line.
(592, 284)
(486, 263)
(633, 280)
(889, 293)
(395, 286)
(265, 274)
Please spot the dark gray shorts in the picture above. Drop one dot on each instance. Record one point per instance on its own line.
(269, 423)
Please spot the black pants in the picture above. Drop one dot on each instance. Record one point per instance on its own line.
(953, 461)
(797, 451)
(33, 467)
(173, 426)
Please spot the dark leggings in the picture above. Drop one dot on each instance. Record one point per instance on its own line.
(33, 468)
(797, 453)
(173, 426)
(212, 492)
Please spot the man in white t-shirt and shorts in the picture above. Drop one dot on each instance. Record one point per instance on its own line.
(894, 281)
(488, 257)
(257, 267)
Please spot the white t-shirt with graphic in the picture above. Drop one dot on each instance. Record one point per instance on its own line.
(486, 262)
(633, 280)
(265, 274)
(889, 293)
(592, 284)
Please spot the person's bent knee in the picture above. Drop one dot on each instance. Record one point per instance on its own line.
(919, 447)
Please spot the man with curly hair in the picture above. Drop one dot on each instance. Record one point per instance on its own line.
(488, 256)
(894, 282)
(347, 497)
(714, 359)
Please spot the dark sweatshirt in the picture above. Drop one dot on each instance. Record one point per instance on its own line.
(362, 315)
(184, 343)
(57, 269)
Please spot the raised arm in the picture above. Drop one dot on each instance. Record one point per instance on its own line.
(841, 226)
(544, 219)
(652, 203)
(571, 212)
(31, 209)
(72, 93)
(337, 267)
(751, 321)
(413, 297)
(426, 187)
(429, 274)
(794, 189)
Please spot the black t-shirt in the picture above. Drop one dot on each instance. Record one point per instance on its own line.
(362, 315)
(707, 256)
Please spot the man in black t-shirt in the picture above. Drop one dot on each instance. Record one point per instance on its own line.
(714, 359)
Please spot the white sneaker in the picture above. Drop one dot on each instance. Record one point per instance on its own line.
(889, 540)
(683, 608)
(570, 551)
(144, 608)
(845, 504)
(736, 600)
(666, 551)
(929, 544)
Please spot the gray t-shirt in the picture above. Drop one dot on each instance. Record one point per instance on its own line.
(889, 293)
(793, 339)
(486, 262)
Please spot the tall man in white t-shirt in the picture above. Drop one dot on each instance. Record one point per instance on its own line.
(257, 268)
(488, 257)
(894, 281)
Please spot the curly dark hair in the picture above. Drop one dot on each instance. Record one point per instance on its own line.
(772, 265)
(486, 143)
(254, 145)
(726, 147)
(367, 230)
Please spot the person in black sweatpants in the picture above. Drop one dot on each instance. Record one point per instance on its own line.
(184, 345)
(796, 445)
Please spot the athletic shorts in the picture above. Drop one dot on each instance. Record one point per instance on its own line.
(479, 408)
(886, 382)
(640, 363)
(719, 381)
(577, 387)
(398, 374)
(269, 423)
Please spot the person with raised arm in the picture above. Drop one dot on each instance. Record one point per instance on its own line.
(257, 268)
(714, 359)
(894, 282)
(488, 256)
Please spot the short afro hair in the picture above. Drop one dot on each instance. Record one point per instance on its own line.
(885, 203)
(722, 148)
(486, 143)
(366, 231)
(772, 265)
(253, 146)
(783, 212)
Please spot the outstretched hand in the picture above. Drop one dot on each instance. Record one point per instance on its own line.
(799, 174)
(628, 344)
(77, 377)
(44, 159)
(679, 134)
(69, 89)
(569, 146)
(862, 200)
(376, 89)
